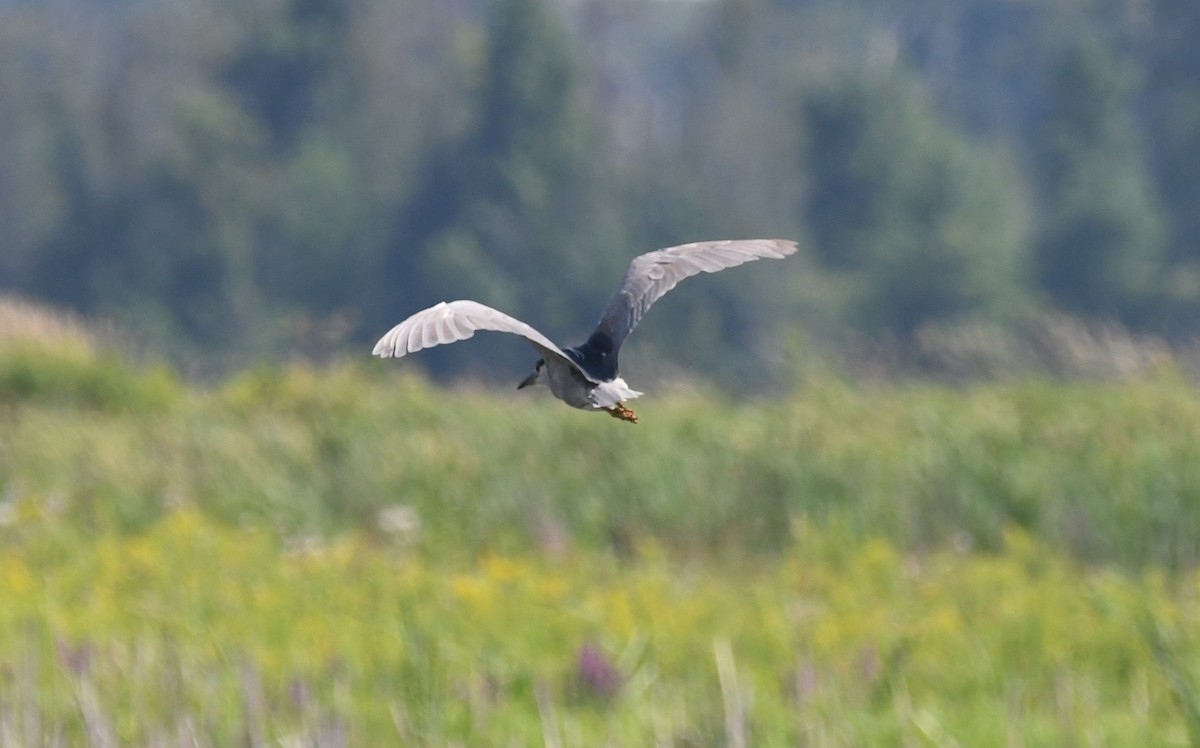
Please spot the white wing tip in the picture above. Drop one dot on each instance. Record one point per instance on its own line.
(782, 247)
(772, 248)
(385, 348)
(396, 344)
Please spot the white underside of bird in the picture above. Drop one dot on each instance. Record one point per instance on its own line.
(584, 376)
(565, 384)
(608, 394)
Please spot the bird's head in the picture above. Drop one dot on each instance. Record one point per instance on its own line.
(537, 377)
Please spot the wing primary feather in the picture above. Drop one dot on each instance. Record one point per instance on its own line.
(412, 342)
(428, 335)
(443, 330)
(455, 332)
(408, 345)
(398, 342)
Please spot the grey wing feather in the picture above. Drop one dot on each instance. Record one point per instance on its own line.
(450, 322)
(651, 275)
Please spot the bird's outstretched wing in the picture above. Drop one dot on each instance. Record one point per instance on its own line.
(653, 274)
(450, 322)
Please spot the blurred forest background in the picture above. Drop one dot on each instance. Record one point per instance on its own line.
(235, 179)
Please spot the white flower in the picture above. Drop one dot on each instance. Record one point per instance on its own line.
(399, 520)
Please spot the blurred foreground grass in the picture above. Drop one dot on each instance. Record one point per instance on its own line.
(194, 632)
(349, 557)
(1106, 473)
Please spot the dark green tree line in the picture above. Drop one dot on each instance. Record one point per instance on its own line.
(927, 226)
(220, 177)
(1099, 249)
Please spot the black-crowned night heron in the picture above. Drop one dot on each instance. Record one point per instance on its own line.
(584, 376)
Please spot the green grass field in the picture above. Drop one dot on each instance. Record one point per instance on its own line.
(347, 556)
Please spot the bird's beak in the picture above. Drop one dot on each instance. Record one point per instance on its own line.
(531, 379)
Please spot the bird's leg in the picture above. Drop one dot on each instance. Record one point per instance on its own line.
(625, 414)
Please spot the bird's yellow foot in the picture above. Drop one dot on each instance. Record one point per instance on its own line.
(625, 414)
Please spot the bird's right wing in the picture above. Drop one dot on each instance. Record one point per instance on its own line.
(653, 274)
(450, 322)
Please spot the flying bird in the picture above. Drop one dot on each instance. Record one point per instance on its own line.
(584, 376)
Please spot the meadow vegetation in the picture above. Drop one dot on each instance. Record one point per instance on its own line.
(346, 555)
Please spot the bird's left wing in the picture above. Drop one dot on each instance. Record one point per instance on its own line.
(450, 322)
